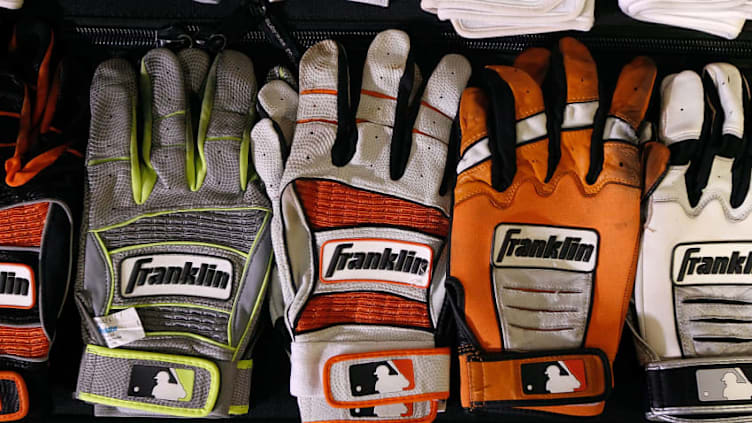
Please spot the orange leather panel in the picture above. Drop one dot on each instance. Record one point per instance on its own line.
(484, 383)
(362, 307)
(528, 98)
(655, 158)
(23, 226)
(632, 93)
(24, 342)
(473, 107)
(582, 74)
(330, 205)
(535, 62)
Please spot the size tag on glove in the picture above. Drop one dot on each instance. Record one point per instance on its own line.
(120, 328)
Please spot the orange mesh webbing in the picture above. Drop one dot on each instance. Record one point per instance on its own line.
(23, 342)
(331, 205)
(23, 226)
(362, 307)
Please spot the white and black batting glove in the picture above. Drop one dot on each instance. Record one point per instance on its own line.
(692, 293)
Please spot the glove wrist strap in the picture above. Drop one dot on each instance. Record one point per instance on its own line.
(387, 385)
(148, 383)
(693, 387)
(14, 397)
(536, 379)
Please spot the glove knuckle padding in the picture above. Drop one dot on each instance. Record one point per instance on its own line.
(552, 303)
(350, 301)
(690, 294)
(190, 251)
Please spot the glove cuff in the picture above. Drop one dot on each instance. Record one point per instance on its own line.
(353, 381)
(14, 397)
(536, 379)
(694, 387)
(148, 383)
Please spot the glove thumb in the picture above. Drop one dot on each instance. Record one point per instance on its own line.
(271, 136)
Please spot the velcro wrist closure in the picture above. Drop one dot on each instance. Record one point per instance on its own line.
(534, 379)
(687, 387)
(14, 397)
(157, 383)
(386, 377)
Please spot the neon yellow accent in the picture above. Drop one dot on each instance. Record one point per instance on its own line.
(190, 148)
(161, 213)
(245, 146)
(169, 115)
(245, 364)
(95, 162)
(158, 244)
(242, 275)
(193, 336)
(259, 301)
(187, 305)
(162, 409)
(223, 139)
(135, 164)
(148, 174)
(237, 410)
(185, 378)
(203, 122)
(111, 269)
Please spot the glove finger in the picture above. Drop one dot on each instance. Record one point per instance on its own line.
(324, 116)
(225, 123)
(270, 137)
(113, 142)
(12, 96)
(441, 97)
(195, 66)
(279, 102)
(165, 111)
(581, 104)
(625, 121)
(535, 61)
(31, 49)
(724, 90)
(388, 80)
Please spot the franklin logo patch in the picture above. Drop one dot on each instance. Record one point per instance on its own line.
(16, 286)
(723, 384)
(381, 377)
(545, 247)
(165, 383)
(553, 377)
(376, 260)
(176, 274)
(712, 263)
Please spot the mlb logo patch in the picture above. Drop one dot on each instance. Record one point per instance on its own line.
(165, 383)
(388, 410)
(724, 384)
(553, 377)
(381, 377)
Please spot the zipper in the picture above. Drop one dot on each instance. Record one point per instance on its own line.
(178, 36)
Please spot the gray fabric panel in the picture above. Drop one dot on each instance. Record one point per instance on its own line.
(719, 324)
(206, 323)
(96, 279)
(109, 377)
(242, 392)
(554, 319)
(252, 287)
(236, 229)
(182, 346)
